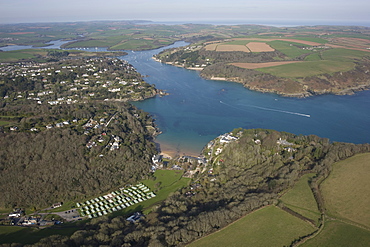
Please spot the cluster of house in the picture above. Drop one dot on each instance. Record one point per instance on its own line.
(313, 48)
(48, 126)
(157, 162)
(286, 143)
(57, 125)
(90, 75)
(32, 221)
(184, 62)
(115, 200)
(194, 188)
(17, 218)
(217, 146)
(196, 161)
(115, 143)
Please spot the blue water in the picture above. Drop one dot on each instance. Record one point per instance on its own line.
(51, 45)
(198, 110)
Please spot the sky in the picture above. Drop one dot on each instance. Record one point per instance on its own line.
(256, 11)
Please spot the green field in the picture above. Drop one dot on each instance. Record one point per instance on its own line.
(339, 54)
(102, 42)
(286, 48)
(313, 57)
(346, 191)
(64, 207)
(308, 38)
(140, 44)
(301, 200)
(167, 181)
(328, 61)
(338, 234)
(269, 226)
(308, 68)
(13, 56)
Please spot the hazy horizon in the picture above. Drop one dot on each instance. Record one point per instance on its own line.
(293, 12)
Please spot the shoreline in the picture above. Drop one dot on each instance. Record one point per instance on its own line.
(304, 94)
(169, 150)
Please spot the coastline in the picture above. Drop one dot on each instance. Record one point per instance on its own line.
(169, 150)
(300, 94)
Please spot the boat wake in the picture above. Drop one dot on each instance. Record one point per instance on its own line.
(271, 109)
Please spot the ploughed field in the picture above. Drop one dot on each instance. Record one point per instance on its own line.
(248, 47)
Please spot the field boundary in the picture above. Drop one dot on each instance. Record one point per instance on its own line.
(263, 65)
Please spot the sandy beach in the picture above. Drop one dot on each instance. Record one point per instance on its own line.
(167, 150)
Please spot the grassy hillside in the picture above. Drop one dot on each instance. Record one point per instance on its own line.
(346, 191)
(339, 234)
(166, 182)
(309, 68)
(301, 200)
(269, 226)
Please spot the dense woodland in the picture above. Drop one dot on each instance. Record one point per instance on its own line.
(49, 165)
(248, 174)
(200, 56)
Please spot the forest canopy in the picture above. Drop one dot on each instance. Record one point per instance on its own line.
(248, 174)
(72, 152)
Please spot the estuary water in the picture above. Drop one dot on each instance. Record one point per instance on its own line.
(198, 110)
(55, 44)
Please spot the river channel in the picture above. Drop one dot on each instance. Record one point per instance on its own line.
(198, 110)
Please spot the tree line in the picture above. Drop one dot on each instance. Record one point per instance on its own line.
(251, 175)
